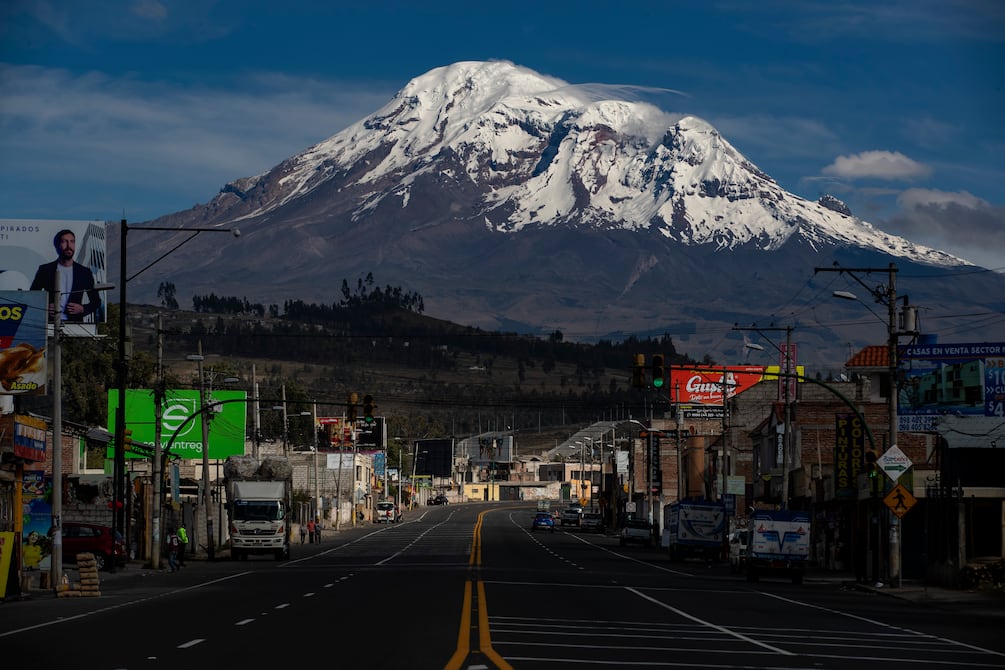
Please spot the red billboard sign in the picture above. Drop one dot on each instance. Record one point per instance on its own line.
(704, 386)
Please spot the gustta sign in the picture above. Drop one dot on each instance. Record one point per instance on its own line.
(181, 427)
(704, 386)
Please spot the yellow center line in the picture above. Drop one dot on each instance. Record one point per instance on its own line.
(464, 632)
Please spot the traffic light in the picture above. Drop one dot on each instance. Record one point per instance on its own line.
(639, 372)
(127, 441)
(351, 408)
(659, 374)
(368, 408)
(871, 466)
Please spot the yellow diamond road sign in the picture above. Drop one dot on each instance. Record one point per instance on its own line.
(899, 500)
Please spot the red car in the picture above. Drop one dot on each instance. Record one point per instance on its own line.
(88, 537)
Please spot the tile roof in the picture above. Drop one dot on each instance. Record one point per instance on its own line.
(873, 356)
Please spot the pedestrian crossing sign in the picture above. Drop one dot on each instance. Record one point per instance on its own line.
(899, 500)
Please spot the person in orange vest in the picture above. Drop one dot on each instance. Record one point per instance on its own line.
(310, 530)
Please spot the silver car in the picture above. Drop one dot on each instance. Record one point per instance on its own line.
(592, 521)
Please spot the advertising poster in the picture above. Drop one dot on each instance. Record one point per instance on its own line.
(6, 558)
(181, 427)
(967, 379)
(23, 358)
(957, 390)
(29, 438)
(36, 513)
(849, 452)
(704, 386)
(29, 251)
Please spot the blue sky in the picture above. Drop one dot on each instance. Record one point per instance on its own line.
(140, 108)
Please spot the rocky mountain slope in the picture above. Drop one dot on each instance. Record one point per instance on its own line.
(514, 201)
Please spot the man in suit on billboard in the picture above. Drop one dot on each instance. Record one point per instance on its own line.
(75, 281)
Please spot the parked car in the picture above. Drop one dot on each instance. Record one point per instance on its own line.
(543, 521)
(95, 539)
(439, 500)
(593, 521)
(638, 531)
(737, 550)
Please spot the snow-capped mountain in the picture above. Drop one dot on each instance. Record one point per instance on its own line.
(514, 201)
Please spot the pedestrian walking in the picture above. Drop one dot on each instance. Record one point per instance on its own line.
(183, 544)
(310, 530)
(172, 548)
(317, 530)
(303, 532)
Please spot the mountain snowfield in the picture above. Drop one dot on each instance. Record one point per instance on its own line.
(556, 157)
(513, 201)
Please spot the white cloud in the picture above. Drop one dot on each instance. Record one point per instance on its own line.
(149, 9)
(957, 222)
(876, 165)
(167, 146)
(920, 197)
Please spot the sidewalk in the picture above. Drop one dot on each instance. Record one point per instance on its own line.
(917, 591)
(138, 572)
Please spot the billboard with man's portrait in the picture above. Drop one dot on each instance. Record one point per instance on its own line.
(52, 255)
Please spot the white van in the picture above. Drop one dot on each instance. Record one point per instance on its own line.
(387, 512)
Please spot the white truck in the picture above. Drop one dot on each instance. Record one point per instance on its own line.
(258, 506)
(778, 542)
(694, 529)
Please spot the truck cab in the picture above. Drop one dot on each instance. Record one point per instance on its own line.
(258, 519)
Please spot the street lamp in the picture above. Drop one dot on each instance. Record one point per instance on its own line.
(415, 462)
(885, 296)
(314, 448)
(207, 499)
(122, 362)
(56, 560)
(787, 380)
(586, 437)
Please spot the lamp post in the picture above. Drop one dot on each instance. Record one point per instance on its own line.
(885, 296)
(314, 448)
(122, 361)
(207, 499)
(787, 380)
(400, 478)
(415, 462)
(56, 560)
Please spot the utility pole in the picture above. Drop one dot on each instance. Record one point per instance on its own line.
(725, 434)
(155, 465)
(886, 296)
(56, 559)
(256, 416)
(286, 436)
(207, 492)
(681, 479)
(317, 488)
(788, 379)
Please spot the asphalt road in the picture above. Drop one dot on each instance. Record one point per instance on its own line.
(471, 586)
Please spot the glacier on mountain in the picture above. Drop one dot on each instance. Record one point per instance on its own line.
(548, 153)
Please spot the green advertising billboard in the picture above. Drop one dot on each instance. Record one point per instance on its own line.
(181, 427)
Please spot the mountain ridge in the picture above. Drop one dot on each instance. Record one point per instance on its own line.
(506, 197)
